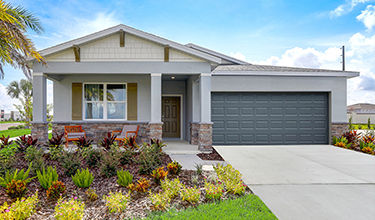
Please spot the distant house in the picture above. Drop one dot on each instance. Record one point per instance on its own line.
(12, 115)
(361, 112)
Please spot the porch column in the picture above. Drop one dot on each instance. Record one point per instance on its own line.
(205, 97)
(155, 118)
(39, 124)
(201, 131)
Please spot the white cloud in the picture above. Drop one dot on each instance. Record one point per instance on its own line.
(238, 55)
(6, 101)
(367, 17)
(360, 50)
(346, 7)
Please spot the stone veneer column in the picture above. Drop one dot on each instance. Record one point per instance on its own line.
(337, 129)
(155, 130)
(40, 130)
(201, 135)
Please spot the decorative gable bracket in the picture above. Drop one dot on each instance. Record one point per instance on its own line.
(77, 53)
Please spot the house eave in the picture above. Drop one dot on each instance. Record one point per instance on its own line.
(346, 74)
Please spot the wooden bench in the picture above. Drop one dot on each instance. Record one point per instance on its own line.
(126, 132)
(73, 133)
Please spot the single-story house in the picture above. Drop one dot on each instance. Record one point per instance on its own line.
(361, 112)
(122, 75)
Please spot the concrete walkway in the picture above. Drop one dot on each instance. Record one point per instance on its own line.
(308, 182)
(186, 154)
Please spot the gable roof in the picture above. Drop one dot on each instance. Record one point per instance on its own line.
(133, 31)
(217, 54)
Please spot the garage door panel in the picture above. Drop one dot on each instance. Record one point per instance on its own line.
(270, 118)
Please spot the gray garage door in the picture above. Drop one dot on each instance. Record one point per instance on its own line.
(269, 118)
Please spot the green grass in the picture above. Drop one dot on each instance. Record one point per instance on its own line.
(8, 122)
(246, 207)
(363, 126)
(15, 132)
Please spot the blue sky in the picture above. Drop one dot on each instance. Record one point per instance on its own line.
(279, 32)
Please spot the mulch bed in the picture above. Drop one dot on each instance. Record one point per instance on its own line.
(138, 207)
(214, 155)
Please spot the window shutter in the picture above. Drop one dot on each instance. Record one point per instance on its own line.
(76, 101)
(132, 101)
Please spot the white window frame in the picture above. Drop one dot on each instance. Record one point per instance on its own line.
(105, 101)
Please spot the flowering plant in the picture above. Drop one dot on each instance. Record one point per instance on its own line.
(160, 201)
(116, 202)
(69, 209)
(190, 194)
(20, 209)
(171, 187)
(213, 191)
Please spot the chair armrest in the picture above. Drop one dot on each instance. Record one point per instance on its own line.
(128, 132)
(116, 131)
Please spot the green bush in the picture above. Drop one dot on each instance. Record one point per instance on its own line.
(149, 158)
(16, 188)
(46, 178)
(35, 156)
(71, 163)
(83, 178)
(124, 178)
(126, 156)
(93, 157)
(16, 175)
(171, 187)
(110, 161)
(7, 153)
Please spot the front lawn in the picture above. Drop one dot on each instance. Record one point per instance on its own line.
(11, 122)
(15, 132)
(246, 207)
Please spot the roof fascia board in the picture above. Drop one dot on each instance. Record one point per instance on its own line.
(217, 54)
(264, 73)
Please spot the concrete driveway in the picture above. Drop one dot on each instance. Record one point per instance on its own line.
(308, 182)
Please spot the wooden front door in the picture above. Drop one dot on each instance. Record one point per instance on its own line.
(171, 117)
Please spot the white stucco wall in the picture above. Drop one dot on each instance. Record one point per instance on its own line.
(335, 85)
(361, 118)
(135, 49)
(62, 93)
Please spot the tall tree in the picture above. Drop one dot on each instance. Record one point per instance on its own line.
(15, 46)
(23, 91)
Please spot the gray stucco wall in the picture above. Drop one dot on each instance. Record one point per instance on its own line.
(335, 85)
(62, 93)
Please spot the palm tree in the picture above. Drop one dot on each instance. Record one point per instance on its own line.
(15, 46)
(23, 91)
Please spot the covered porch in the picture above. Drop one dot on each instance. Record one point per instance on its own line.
(172, 103)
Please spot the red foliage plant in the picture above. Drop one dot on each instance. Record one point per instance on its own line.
(351, 136)
(368, 139)
(25, 142)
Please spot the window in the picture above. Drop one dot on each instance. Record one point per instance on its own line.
(105, 101)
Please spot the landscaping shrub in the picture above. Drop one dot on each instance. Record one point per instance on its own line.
(4, 141)
(126, 156)
(130, 143)
(171, 187)
(91, 194)
(160, 201)
(46, 178)
(199, 169)
(54, 146)
(20, 209)
(35, 156)
(7, 158)
(351, 136)
(174, 168)
(16, 175)
(56, 189)
(71, 162)
(83, 178)
(24, 142)
(108, 141)
(116, 202)
(213, 191)
(159, 174)
(149, 158)
(93, 157)
(69, 210)
(141, 186)
(83, 142)
(124, 178)
(109, 162)
(341, 142)
(231, 178)
(368, 138)
(16, 188)
(190, 194)
(158, 143)
(16, 127)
